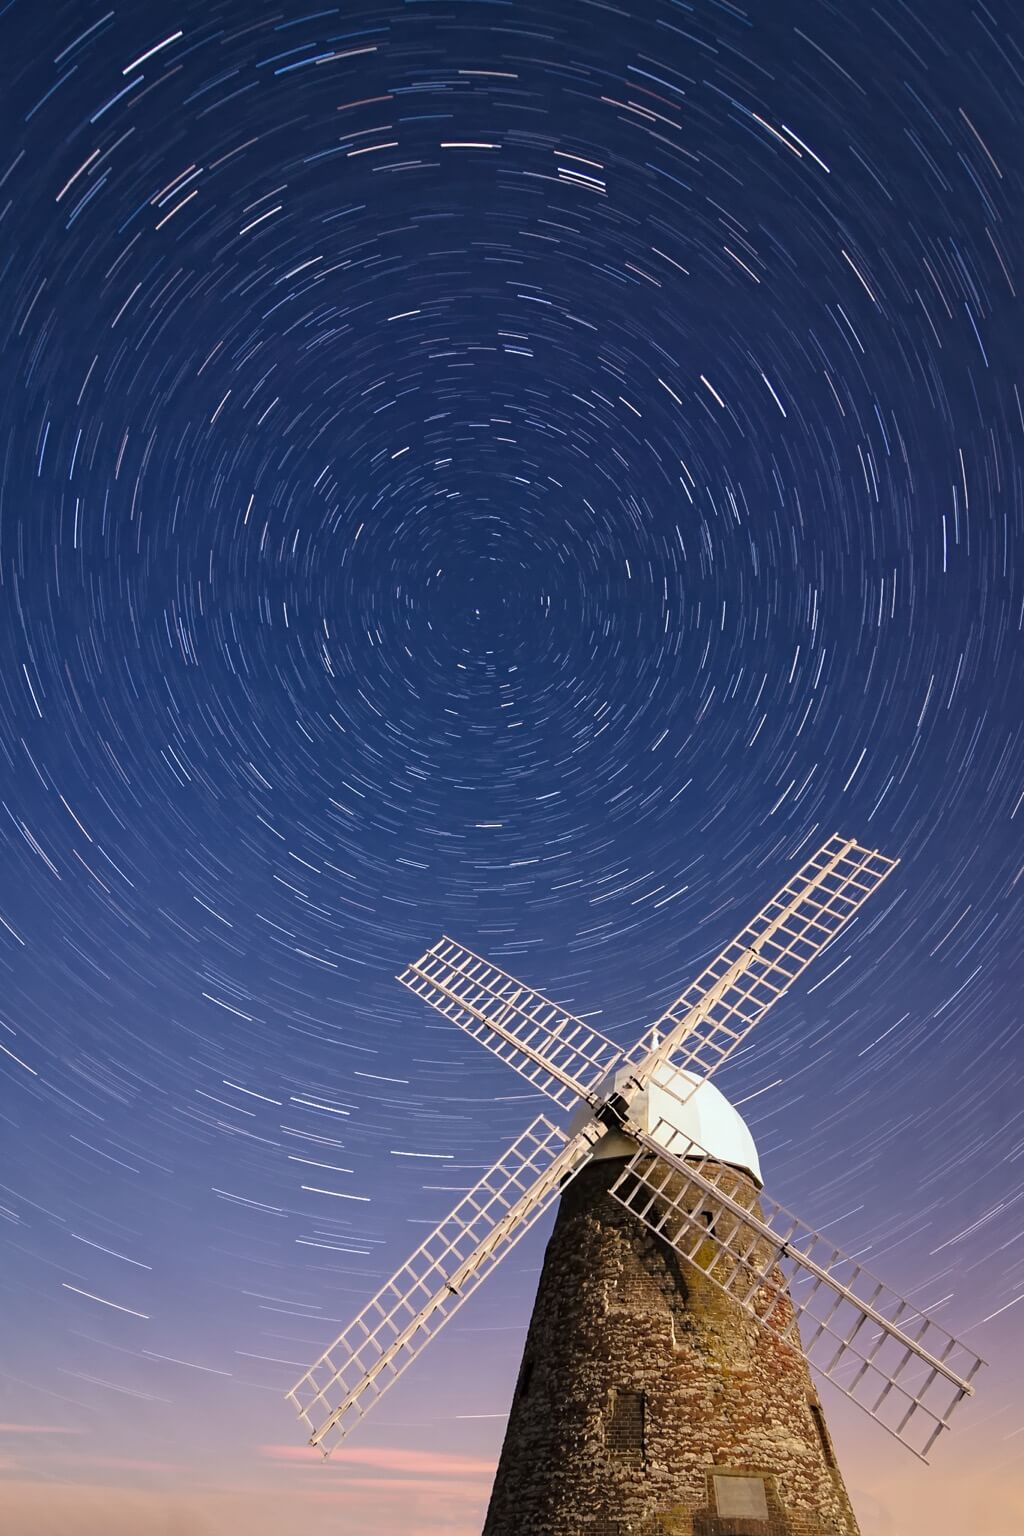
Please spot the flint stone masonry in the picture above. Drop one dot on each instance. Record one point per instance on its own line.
(643, 1389)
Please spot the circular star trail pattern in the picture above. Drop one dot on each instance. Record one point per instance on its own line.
(530, 471)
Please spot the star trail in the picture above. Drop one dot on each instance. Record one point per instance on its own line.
(529, 471)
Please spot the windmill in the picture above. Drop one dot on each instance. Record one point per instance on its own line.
(665, 1383)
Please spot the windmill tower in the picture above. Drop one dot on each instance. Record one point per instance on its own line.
(665, 1386)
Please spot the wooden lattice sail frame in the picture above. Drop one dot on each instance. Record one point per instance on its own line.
(894, 1361)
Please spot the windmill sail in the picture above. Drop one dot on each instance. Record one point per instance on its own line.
(891, 1359)
(391, 1330)
(702, 1028)
(556, 1052)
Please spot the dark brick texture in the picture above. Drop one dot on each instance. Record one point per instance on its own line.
(640, 1384)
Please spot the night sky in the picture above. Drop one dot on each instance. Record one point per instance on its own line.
(529, 470)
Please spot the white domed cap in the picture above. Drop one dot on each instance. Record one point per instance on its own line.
(707, 1119)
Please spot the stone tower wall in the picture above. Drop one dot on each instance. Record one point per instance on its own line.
(649, 1404)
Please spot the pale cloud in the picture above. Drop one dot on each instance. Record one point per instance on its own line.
(365, 1507)
(386, 1458)
(989, 1501)
(119, 1463)
(365, 1490)
(38, 1429)
(435, 1487)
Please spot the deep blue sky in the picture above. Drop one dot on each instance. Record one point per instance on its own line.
(524, 470)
